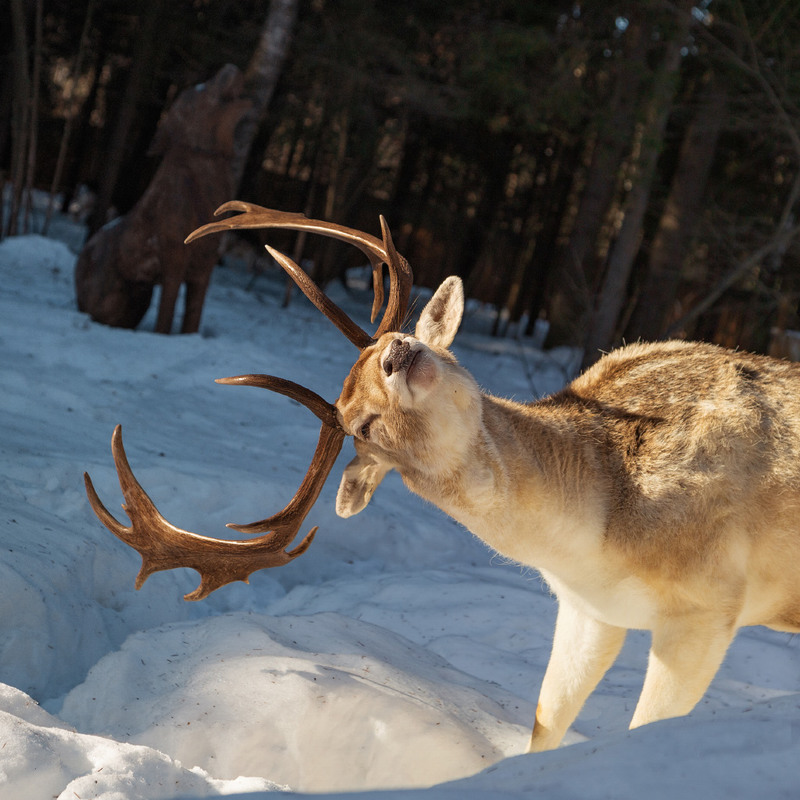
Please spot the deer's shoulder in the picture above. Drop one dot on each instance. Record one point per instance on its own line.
(673, 417)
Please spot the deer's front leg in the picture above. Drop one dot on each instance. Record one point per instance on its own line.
(685, 654)
(583, 650)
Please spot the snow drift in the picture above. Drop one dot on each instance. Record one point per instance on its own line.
(397, 652)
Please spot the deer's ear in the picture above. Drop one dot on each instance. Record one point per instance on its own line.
(441, 317)
(360, 479)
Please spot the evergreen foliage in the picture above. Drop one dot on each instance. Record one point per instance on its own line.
(504, 141)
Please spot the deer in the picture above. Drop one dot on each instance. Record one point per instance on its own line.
(659, 490)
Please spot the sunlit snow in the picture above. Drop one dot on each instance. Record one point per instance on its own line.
(397, 653)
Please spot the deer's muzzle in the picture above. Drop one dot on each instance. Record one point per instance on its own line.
(399, 356)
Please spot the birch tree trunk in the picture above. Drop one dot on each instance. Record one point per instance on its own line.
(262, 74)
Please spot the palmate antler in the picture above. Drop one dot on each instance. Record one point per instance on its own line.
(220, 561)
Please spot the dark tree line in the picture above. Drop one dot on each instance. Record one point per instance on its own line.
(620, 169)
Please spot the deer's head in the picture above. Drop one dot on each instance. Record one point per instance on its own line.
(406, 402)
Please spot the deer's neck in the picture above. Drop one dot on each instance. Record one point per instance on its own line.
(527, 481)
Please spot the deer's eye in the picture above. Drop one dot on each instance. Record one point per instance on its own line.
(364, 430)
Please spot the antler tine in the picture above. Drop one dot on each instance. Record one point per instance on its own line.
(289, 519)
(353, 332)
(331, 437)
(378, 252)
(254, 217)
(321, 408)
(400, 282)
(218, 561)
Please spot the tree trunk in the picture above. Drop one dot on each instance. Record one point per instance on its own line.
(33, 136)
(84, 132)
(262, 74)
(6, 93)
(613, 293)
(571, 275)
(20, 113)
(542, 254)
(69, 122)
(146, 46)
(681, 211)
(410, 160)
(477, 229)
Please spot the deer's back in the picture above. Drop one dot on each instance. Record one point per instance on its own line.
(700, 454)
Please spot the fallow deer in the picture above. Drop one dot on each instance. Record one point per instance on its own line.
(660, 490)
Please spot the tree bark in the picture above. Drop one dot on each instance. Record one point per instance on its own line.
(262, 74)
(544, 248)
(20, 113)
(572, 278)
(477, 229)
(145, 48)
(33, 116)
(84, 136)
(69, 122)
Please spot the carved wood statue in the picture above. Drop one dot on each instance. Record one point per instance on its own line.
(119, 266)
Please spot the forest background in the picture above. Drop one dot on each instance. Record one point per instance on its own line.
(621, 170)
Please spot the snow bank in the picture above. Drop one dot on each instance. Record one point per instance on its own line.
(397, 652)
(318, 702)
(43, 758)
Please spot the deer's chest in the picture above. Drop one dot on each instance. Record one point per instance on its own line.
(571, 557)
(625, 603)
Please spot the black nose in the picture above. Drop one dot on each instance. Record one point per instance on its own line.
(398, 354)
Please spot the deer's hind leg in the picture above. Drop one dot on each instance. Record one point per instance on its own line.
(685, 654)
(787, 621)
(583, 650)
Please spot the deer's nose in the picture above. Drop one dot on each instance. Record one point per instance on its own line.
(397, 356)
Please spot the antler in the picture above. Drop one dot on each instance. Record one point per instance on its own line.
(378, 252)
(220, 561)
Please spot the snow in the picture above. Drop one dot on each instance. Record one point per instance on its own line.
(398, 657)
